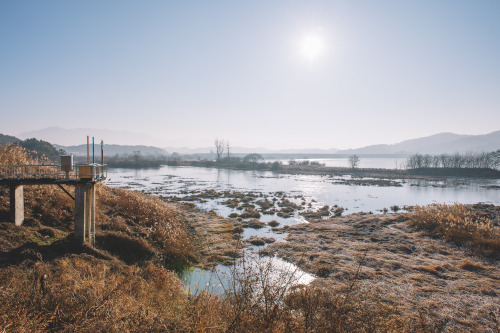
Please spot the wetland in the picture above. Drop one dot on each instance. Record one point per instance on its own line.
(261, 206)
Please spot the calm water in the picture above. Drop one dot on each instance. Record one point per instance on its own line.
(320, 190)
(325, 190)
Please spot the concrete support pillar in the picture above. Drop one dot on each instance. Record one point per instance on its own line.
(92, 214)
(88, 212)
(85, 213)
(17, 204)
(80, 213)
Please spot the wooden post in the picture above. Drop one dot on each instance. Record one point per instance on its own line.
(17, 204)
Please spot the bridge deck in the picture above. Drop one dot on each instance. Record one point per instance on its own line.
(83, 177)
(51, 174)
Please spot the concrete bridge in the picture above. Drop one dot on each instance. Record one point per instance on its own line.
(83, 177)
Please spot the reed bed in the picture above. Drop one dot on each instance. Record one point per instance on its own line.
(459, 224)
(14, 154)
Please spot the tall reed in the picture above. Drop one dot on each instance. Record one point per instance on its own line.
(459, 224)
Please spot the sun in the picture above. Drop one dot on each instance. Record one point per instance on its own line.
(312, 46)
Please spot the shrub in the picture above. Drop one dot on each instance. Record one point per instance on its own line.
(276, 166)
(273, 223)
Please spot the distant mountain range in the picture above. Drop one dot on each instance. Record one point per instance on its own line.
(77, 136)
(73, 140)
(110, 150)
(435, 144)
(243, 150)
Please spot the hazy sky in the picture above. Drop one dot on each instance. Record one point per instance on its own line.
(279, 74)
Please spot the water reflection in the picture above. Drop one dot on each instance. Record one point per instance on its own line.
(260, 271)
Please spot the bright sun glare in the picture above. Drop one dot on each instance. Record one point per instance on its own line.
(312, 46)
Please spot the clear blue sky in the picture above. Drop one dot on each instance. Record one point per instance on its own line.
(190, 71)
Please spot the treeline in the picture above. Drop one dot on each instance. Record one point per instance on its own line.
(468, 160)
(134, 160)
(305, 163)
(137, 160)
(249, 162)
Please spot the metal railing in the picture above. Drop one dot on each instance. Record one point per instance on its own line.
(94, 172)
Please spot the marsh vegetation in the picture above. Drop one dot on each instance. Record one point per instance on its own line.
(375, 272)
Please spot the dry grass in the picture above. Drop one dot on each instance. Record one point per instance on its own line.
(470, 265)
(459, 224)
(432, 284)
(216, 239)
(338, 310)
(81, 293)
(85, 294)
(13, 154)
(139, 217)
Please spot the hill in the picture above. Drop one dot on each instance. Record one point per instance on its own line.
(435, 144)
(7, 139)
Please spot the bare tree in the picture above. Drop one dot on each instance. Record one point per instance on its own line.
(353, 161)
(228, 150)
(219, 149)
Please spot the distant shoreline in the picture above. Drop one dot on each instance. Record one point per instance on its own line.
(418, 173)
